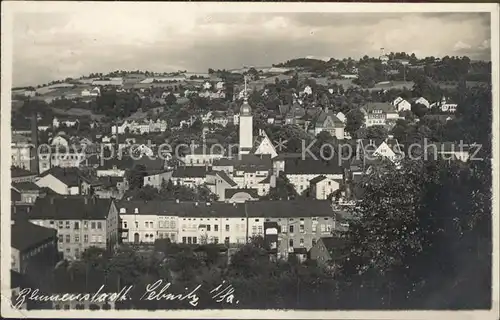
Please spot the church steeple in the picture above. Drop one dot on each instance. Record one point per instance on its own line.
(246, 125)
(245, 109)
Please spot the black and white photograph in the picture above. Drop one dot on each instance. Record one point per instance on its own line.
(249, 160)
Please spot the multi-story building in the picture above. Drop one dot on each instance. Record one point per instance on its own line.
(20, 151)
(301, 222)
(33, 247)
(189, 176)
(300, 172)
(379, 113)
(81, 222)
(146, 221)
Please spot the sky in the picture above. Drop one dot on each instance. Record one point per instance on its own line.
(54, 45)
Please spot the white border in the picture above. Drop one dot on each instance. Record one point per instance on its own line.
(9, 7)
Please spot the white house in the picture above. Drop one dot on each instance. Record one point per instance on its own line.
(65, 181)
(328, 121)
(300, 172)
(322, 187)
(423, 102)
(377, 113)
(191, 177)
(68, 123)
(401, 104)
(307, 90)
(341, 117)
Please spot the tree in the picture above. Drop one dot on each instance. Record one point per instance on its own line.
(419, 110)
(373, 132)
(136, 176)
(283, 190)
(170, 99)
(354, 120)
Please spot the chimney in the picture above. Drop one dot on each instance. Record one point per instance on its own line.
(34, 140)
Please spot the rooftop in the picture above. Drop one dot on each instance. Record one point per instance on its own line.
(312, 166)
(190, 172)
(26, 235)
(70, 208)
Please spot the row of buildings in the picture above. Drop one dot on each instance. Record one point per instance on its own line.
(85, 221)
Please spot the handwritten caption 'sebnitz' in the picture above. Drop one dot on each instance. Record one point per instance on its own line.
(157, 291)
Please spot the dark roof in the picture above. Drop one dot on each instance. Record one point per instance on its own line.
(190, 172)
(335, 246)
(26, 235)
(18, 172)
(229, 193)
(289, 208)
(283, 156)
(72, 177)
(123, 163)
(384, 106)
(292, 208)
(317, 179)
(70, 208)
(323, 116)
(226, 178)
(246, 161)
(312, 166)
(15, 195)
(25, 186)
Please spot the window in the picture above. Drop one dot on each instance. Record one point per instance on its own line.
(323, 228)
(77, 238)
(226, 240)
(67, 224)
(137, 225)
(260, 230)
(227, 227)
(68, 238)
(77, 252)
(314, 227)
(216, 240)
(99, 225)
(92, 225)
(85, 224)
(85, 238)
(189, 240)
(301, 242)
(124, 224)
(291, 229)
(51, 222)
(77, 225)
(160, 224)
(208, 227)
(254, 229)
(172, 224)
(93, 240)
(99, 239)
(216, 227)
(328, 228)
(146, 224)
(301, 227)
(290, 243)
(194, 240)
(61, 238)
(183, 239)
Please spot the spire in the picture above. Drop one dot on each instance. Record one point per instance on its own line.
(245, 97)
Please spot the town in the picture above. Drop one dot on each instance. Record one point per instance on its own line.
(306, 184)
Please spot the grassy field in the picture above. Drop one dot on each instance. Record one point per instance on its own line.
(77, 112)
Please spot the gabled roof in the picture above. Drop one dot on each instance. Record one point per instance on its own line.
(70, 208)
(25, 186)
(317, 179)
(333, 244)
(226, 178)
(26, 235)
(323, 116)
(290, 208)
(69, 176)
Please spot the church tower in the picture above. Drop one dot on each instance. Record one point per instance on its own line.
(246, 125)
